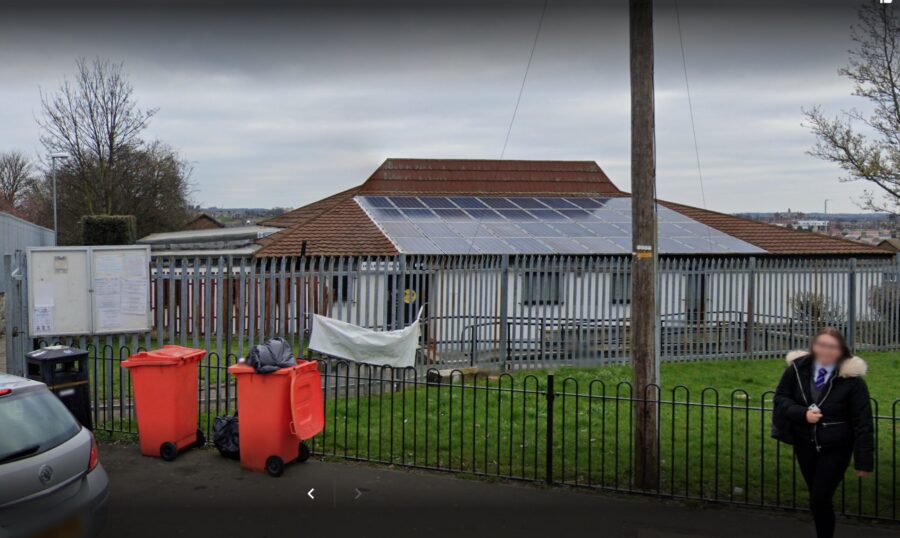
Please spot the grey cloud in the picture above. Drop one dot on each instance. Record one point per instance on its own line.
(279, 106)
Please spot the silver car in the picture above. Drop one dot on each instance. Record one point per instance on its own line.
(51, 480)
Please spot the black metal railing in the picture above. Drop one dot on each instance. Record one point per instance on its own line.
(537, 426)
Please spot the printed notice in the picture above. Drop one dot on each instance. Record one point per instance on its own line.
(43, 293)
(107, 312)
(108, 265)
(43, 319)
(134, 296)
(136, 265)
(107, 286)
(107, 297)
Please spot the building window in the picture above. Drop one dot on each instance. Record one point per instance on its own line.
(542, 288)
(620, 288)
(341, 288)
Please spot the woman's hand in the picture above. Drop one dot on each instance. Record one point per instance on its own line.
(813, 416)
(863, 474)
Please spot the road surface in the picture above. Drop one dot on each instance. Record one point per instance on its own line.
(203, 494)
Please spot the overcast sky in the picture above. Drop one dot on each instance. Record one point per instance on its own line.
(279, 107)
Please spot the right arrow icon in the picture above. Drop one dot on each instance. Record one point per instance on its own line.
(310, 493)
(358, 494)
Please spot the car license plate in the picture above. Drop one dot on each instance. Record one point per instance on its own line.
(70, 528)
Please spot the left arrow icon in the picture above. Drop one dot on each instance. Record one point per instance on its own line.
(310, 493)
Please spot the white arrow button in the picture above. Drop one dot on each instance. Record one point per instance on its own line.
(310, 493)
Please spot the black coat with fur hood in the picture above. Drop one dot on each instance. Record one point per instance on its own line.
(844, 403)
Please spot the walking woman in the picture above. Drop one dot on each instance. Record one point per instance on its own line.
(822, 408)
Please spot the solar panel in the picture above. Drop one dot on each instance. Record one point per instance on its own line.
(528, 203)
(484, 215)
(406, 201)
(451, 214)
(528, 225)
(468, 203)
(498, 203)
(379, 201)
(492, 245)
(437, 202)
(419, 213)
(386, 214)
(557, 203)
(547, 214)
(419, 245)
(516, 214)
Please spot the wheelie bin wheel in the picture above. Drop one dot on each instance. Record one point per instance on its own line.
(274, 466)
(201, 439)
(168, 451)
(304, 452)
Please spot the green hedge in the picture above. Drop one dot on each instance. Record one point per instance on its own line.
(108, 229)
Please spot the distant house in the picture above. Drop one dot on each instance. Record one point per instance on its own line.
(203, 221)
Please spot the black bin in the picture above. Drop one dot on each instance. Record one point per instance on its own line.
(64, 370)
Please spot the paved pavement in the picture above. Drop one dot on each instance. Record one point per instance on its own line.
(202, 494)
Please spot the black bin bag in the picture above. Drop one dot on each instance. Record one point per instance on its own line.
(226, 437)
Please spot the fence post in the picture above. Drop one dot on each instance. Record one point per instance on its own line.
(851, 304)
(551, 395)
(751, 308)
(504, 312)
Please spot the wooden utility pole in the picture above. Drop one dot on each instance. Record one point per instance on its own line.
(644, 318)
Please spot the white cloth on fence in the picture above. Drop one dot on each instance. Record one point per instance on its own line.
(354, 343)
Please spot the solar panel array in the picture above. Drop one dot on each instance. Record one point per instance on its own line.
(534, 225)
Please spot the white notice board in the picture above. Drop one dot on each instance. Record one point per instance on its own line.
(88, 290)
(59, 299)
(121, 289)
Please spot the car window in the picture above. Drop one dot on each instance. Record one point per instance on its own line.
(33, 422)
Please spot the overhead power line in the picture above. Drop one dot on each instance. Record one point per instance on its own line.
(524, 78)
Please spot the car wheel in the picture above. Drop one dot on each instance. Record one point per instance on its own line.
(168, 451)
(304, 453)
(274, 466)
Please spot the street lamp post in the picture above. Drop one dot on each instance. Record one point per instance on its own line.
(53, 159)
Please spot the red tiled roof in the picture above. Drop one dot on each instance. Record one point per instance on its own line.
(309, 211)
(337, 226)
(480, 177)
(345, 230)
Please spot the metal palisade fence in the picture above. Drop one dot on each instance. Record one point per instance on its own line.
(534, 311)
(507, 313)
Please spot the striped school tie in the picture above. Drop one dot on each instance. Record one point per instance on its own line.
(820, 378)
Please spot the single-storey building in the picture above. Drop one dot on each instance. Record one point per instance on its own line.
(514, 258)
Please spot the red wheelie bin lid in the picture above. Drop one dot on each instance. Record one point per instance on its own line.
(164, 356)
(307, 403)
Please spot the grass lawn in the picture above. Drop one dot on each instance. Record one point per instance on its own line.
(498, 426)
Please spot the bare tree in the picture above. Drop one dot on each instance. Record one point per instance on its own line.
(16, 178)
(111, 169)
(867, 146)
(94, 119)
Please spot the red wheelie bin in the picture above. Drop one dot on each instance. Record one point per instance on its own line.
(165, 399)
(278, 412)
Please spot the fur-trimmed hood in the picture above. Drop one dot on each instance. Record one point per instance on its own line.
(852, 367)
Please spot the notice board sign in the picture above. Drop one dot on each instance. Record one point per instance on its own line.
(88, 290)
